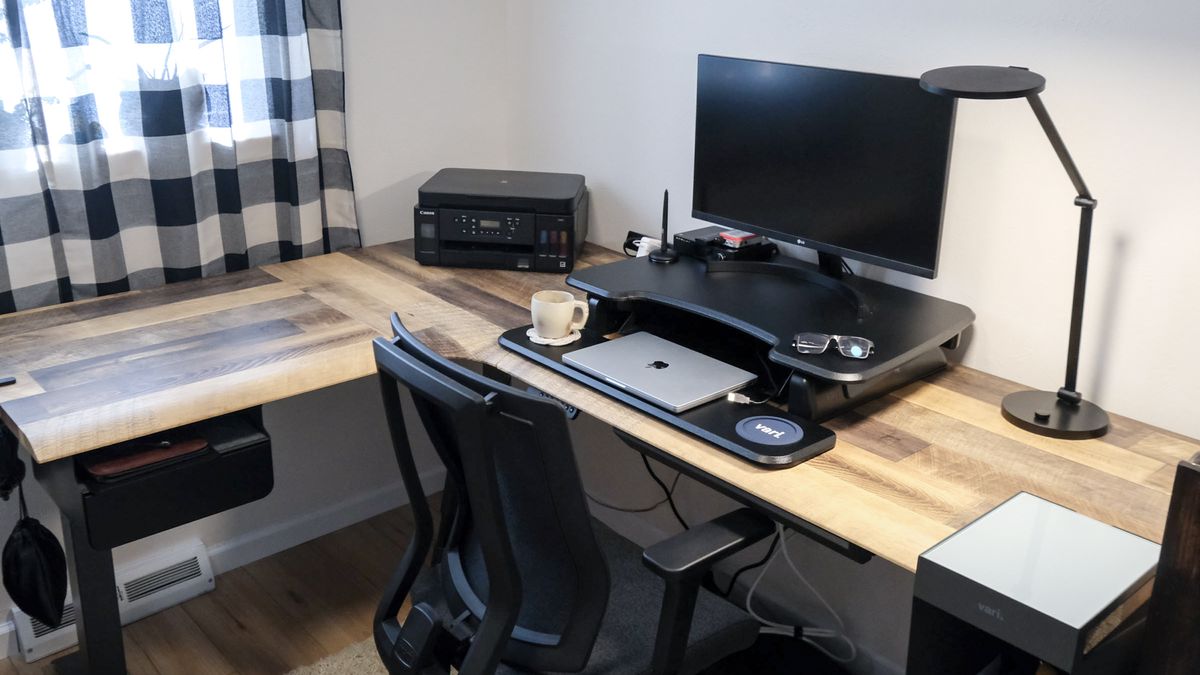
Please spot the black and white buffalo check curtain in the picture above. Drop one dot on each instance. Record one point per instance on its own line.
(150, 141)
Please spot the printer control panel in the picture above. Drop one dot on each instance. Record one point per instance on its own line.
(489, 226)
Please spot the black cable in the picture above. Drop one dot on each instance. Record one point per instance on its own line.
(767, 370)
(667, 492)
(634, 509)
(777, 389)
(624, 509)
(754, 565)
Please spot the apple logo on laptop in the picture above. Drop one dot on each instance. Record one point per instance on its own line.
(657, 365)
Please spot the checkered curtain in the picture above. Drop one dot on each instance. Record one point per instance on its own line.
(149, 141)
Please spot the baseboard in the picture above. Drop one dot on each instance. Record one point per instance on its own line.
(250, 546)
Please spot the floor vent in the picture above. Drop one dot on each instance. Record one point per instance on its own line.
(151, 585)
(161, 580)
(68, 621)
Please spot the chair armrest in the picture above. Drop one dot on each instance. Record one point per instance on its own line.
(682, 561)
(692, 553)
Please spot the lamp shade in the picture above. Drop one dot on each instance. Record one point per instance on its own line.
(990, 82)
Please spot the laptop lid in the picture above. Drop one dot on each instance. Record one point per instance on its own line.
(657, 370)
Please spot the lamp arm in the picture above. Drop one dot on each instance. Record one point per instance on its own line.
(1068, 392)
(1086, 204)
(1039, 109)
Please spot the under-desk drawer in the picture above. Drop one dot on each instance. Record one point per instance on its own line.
(234, 469)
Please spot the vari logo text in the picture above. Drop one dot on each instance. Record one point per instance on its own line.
(768, 430)
(991, 611)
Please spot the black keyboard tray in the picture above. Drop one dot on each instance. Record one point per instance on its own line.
(715, 422)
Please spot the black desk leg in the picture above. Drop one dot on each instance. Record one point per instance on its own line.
(93, 582)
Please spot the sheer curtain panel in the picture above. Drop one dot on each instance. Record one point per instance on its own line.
(150, 141)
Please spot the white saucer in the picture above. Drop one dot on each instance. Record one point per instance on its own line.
(557, 342)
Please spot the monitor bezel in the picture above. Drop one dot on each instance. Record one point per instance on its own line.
(819, 246)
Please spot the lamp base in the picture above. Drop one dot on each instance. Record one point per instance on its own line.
(1044, 413)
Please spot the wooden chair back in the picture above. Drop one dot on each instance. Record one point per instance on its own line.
(1173, 628)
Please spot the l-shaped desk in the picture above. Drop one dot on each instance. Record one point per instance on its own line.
(908, 469)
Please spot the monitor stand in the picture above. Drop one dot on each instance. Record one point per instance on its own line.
(831, 265)
(765, 304)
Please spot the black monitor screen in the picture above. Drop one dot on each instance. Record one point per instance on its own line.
(842, 162)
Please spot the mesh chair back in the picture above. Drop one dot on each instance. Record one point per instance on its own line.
(520, 550)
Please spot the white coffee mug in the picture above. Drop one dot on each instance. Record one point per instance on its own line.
(554, 314)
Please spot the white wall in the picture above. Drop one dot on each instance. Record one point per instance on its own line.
(608, 89)
(426, 88)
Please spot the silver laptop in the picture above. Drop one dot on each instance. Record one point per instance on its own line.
(659, 371)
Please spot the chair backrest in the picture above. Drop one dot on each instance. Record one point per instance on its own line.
(1172, 643)
(521, 555)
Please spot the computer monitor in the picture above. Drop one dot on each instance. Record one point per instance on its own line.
(846, 163)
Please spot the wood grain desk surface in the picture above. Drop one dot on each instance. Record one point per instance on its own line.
(908, 469)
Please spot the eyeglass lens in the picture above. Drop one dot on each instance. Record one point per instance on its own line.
(812, 343)
(854, 347)
(847, 345)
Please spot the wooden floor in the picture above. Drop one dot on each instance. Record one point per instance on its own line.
(271, 616)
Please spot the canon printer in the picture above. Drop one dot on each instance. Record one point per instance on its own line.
(517, 220)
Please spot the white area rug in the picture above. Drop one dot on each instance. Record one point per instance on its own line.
(357, 659)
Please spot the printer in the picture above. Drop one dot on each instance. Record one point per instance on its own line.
(516, 220)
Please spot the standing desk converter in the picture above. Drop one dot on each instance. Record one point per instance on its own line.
(908, 469)
(746, 314)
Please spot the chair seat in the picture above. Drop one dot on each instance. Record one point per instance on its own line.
(625, 643)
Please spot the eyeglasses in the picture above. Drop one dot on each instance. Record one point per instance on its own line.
(848, 345)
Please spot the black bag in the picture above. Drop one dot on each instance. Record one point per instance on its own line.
(12, 469)
(35, 569)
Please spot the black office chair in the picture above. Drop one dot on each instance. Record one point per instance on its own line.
(523, 579)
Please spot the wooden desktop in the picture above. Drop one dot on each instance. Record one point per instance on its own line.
(908, 469)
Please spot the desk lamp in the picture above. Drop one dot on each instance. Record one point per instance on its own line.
(1061, 414)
